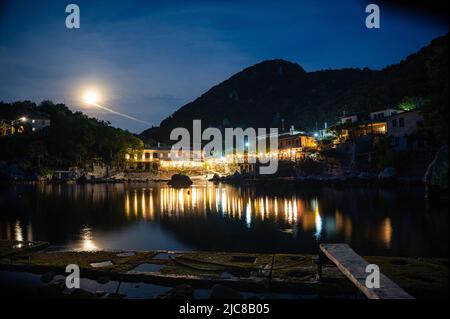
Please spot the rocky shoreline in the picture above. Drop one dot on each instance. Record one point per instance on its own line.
(350, 180)
(434, 180)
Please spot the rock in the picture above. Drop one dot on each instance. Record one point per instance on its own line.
(236, 177)
(388, 173)
(126, 254)
(215, 178)
(436, 175)
(180, 180)
(287, 231)
(226, 275)
(179, 292)
(223, 292)
(82, 179)
(118, 176)
(47, 277)
(102, 264)
(82, 294)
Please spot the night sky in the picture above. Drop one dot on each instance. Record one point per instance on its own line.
(149, 58)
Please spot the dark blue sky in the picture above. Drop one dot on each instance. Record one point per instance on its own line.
(149, 58)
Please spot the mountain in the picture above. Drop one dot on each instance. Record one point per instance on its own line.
(278, 92)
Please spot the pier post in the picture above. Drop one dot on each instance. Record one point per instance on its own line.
(320, 264)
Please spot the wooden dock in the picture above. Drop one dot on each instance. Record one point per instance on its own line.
(354, 266)
(253, 272)
(248, 272)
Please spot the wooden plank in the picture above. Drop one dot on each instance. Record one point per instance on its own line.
(354, 266)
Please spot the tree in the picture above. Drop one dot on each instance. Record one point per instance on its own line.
(343, 131)
(36, 151)
(411, 102)
(436, 112)
(385, 153)
(72, 138)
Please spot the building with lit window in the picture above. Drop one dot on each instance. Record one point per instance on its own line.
(26, 123)
(36, 121)
(351, 127)
(383, 114)
(160, 157)
(406, 130)
(294, 146)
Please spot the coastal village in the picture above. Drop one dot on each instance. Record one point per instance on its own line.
(404, 129)
(99, 201)
(346, 149)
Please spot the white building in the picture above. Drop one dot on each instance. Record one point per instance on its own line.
(405, 130)
(382, 114)
(36, 122)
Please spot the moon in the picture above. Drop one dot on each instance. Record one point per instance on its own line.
(91, 97)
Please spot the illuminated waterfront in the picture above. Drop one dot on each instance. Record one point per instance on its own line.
(210, 217)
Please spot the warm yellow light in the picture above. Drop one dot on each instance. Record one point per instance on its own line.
(90, 97)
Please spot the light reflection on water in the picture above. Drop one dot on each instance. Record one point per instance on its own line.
(224, 201)
(93, 217)
(87, 240)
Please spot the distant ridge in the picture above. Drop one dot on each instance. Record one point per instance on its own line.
(273, 92)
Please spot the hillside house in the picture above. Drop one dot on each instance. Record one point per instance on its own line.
(406, 130)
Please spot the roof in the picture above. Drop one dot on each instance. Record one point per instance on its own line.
(416, 110)
(387, 109)
(289, 135)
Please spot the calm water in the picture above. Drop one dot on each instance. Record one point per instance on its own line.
(225, 218)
